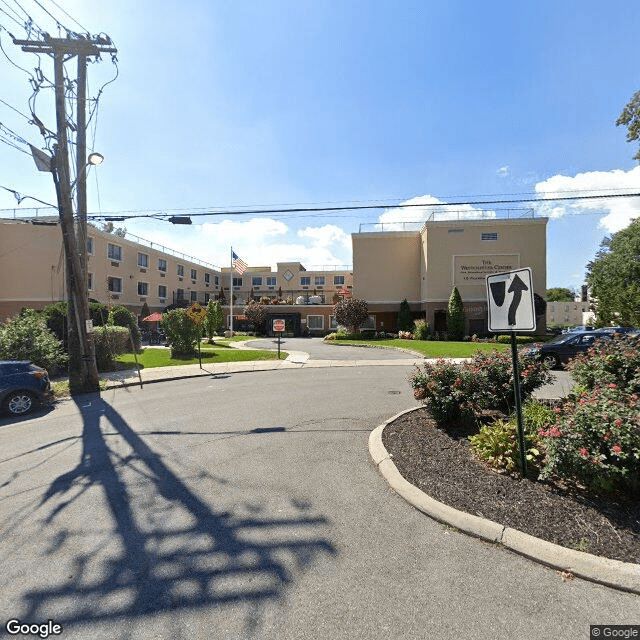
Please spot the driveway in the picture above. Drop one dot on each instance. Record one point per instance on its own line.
(247, 506)
(318, 349)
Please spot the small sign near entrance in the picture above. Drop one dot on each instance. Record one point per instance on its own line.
(278, 326)
(196, 312)
(510, 300)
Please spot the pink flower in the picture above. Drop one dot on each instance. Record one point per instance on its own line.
(584, 452)
(558, 410)
(612, 385)
(606, 436)
(616, 448)
(554, 432)
(618, 422)
(525, 373)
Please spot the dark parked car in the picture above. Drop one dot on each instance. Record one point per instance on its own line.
(620, 330)
(563, 347)
(22, 385)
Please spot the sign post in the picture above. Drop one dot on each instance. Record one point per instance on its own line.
(197, 313)
(515, 312)
(278, 327)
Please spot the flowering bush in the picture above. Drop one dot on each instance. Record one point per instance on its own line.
(421, 330)
(405, 335)
(595, 437)
(452, 391)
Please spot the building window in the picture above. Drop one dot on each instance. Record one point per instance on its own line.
(369, 323)
(114, 252)
(256, 281)
(332, 322)
(114, 284)
(162, 265)
(194, 274)
(143, 260)
(271, 281)
(338, 280)
(315, 322)
(89, 245)
(180, 271)
(207, 278)
(90, 281)
(319, 281)
(237, 282)
(489, 236)
(143, 288)
(207, 297)
(194, 296)
(305, 281)
(216, 280)
(180, 294)
(162, 291)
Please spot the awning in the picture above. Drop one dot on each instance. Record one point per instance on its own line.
(154, 317)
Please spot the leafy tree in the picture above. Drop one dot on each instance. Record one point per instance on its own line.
(214, 319)
(560, 294)
(614, 277)
(351, 313)
(256, 313)
(26, 337)
(183, 334)
(109, 227)
(120, 316)
(404, 316)
(630, 118)
(455, 316)
(55, 315)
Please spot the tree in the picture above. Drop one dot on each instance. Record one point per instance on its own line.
(455, 316)
(214, 319)
(351, 313)
(560, 294)
(404, 316)
(614, 277)
(109, 227)
(630, 118)
(183, 334)
(256, 313)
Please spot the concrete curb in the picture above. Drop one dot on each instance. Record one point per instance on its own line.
(612, 573)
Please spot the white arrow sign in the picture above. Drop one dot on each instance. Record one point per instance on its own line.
(510, 301)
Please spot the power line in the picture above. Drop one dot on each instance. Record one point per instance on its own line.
(380, 206)
(69, 16)
(16, 110)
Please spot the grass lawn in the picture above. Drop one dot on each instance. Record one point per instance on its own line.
(433, 349)
(211, 354)
(226, 341)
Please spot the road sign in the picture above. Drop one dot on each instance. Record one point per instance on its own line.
(278, 326)
(510, 301)
(196, 312)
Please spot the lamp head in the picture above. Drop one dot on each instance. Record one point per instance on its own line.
(95, 158)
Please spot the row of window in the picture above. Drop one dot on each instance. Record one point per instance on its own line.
(271, 281)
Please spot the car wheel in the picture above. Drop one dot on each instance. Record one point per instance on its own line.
(19, 402)
(552, 361)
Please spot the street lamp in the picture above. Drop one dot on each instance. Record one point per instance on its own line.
(95, 159)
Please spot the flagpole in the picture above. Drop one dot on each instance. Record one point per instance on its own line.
(231, 295)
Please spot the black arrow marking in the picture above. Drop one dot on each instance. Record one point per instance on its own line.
(517, 286)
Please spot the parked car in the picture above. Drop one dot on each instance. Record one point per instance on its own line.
(22, 386)
(620, 330)
(563, 347)
(580, 328)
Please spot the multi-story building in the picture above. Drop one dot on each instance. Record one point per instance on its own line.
(131, 271)
(572, 313)
(423, 266)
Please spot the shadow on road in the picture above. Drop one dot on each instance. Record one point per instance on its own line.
(163, 547)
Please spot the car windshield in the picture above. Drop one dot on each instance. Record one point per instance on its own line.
(562, 338)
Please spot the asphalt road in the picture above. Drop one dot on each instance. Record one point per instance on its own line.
(246, 506)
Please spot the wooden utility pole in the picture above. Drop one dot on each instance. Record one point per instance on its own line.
(83, 371)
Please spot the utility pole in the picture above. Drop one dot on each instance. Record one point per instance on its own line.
(83, 371)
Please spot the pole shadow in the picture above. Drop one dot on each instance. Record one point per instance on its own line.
(164, 547)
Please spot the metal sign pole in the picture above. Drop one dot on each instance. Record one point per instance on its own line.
(199, 341)
(516, 392)
(279, 336)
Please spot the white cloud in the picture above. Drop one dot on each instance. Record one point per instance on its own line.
(399, 218)
(619, 211)
(503, 171)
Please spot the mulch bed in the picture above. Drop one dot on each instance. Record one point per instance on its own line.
(441, 464)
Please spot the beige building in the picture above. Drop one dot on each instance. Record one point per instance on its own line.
(131, 271)
(570, 313)
(424, 266)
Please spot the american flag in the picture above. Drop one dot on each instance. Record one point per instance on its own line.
(239, 265)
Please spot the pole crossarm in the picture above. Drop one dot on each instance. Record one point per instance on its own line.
(71, 46)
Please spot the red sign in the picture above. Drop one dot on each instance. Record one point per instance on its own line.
(278, 325)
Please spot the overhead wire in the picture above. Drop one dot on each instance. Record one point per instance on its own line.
(69, 16)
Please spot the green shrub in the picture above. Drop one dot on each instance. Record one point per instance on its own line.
(110, 341)
(497, 444)
(182, 333)
(454, 391)
(506, 339)
(26, 337)
(55, 315)
(421, 330)
(214, 319)
(455, 316)
(99, 313)
(122, 317)
(404, 316)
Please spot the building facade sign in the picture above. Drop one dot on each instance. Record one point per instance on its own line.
(474, 269)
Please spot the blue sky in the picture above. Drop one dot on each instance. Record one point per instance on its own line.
(244, 104)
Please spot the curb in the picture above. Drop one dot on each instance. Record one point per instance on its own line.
(611, 573)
